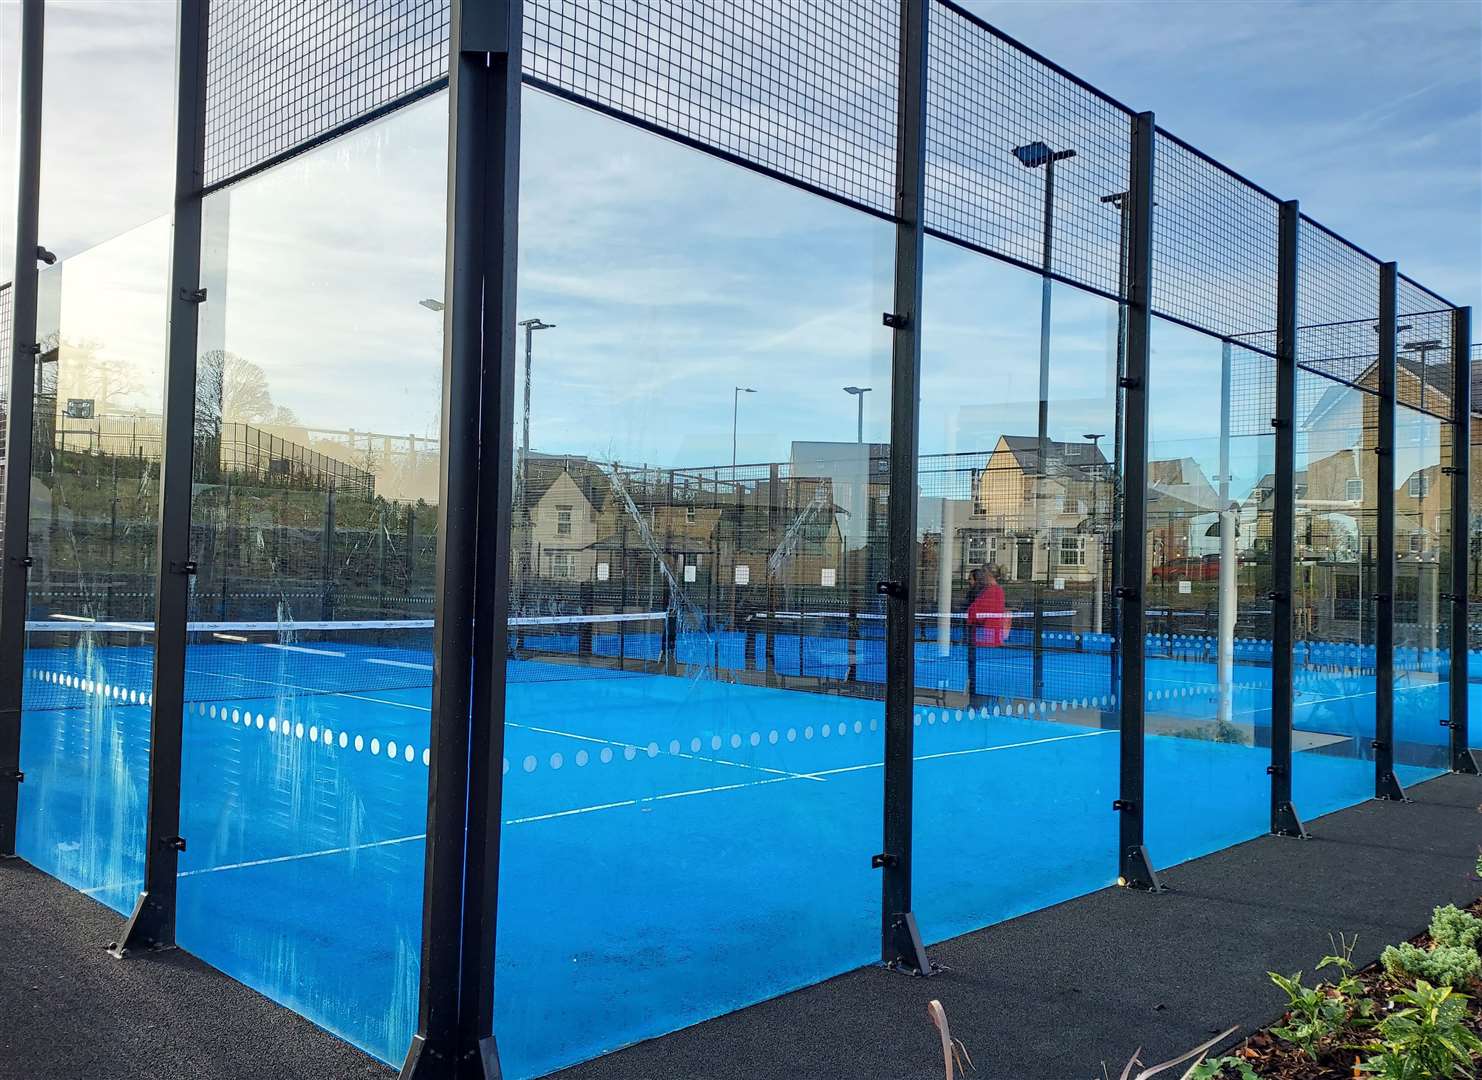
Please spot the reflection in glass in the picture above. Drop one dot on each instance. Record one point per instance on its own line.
(1422, 703)
(1333, 589)
(1211, 491)
(1016, 639)
(94, 506)
(313, 524)
(106, 158)
(694, 689)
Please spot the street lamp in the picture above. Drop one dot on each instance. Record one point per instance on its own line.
(735, 413)
(1033, 156)
(530, 325)
(859, 392)
(1424, 348)
(1094, 439)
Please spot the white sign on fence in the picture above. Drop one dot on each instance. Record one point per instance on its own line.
(602, 571)
(827, 577)
(743, 574)
(689, 573)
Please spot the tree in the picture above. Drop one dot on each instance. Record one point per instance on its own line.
(231, 389)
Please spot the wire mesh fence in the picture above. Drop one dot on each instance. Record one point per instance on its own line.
(1214, 246)
(1023, 160)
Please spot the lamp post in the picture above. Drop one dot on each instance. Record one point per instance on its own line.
(858, 392)
(530, 325)
(1424, 348)
(1094, 439)
(735, 414)
(1033, 156)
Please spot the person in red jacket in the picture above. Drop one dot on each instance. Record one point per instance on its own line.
(987, 614)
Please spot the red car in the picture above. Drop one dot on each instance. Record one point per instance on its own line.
(1205, 568)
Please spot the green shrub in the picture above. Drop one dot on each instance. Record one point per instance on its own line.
(1426, 1038)
(1223, 1068)
(1314, 1016)
(1444, 965)
(1450, 926)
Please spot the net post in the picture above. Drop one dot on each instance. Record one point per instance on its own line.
(1462, 758)
(970, 634)
(671, 639)
(151, 927)
(15, 558)
(1387, 786)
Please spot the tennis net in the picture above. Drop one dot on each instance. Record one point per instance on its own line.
(69, 664)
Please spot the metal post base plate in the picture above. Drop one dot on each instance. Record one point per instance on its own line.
(428, 1062)
(1137, 871)
(1389, 789)
(1465, 762)
(905, 943)
(1285, 821)
(148, 930)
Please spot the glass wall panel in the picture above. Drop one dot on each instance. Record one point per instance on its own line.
(1016, 636)
(1333, 585)
(1422, 697)
(1211, 457)
(95, 472)
(694, 716)
(126, 135)
(313, 522)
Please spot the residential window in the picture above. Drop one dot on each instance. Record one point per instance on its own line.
(1072, 551)
(977, 550)
(1420, 486)
(689, 515)
(563, 521)
(563, 564)
(1417, 543)
(1355, 490)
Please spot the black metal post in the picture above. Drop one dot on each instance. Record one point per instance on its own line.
(1135, 865)
(327, 570)
(152, 925)
(1462, 758)
(900, 940)
(1386, 784)
(1285, 820)
(19, 427)
(455, 1021)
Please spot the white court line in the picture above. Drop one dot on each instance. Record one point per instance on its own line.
(398, 663)
(305, 855)
(630, 802)
(688, 757)
(782, 779)
(300, 649)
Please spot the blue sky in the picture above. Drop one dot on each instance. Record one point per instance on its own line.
(1369, 113)
(673, 277)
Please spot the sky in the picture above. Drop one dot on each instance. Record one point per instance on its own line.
(1368, 112)
(674, 278)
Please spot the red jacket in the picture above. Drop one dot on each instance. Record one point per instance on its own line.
(989, 616)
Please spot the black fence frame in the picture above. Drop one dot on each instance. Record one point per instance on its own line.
(455, 1036)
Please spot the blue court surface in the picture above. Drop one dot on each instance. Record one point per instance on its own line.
(675, 845)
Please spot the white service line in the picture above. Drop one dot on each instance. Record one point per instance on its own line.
(530, 819)
(783, 779)
(303, 855)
